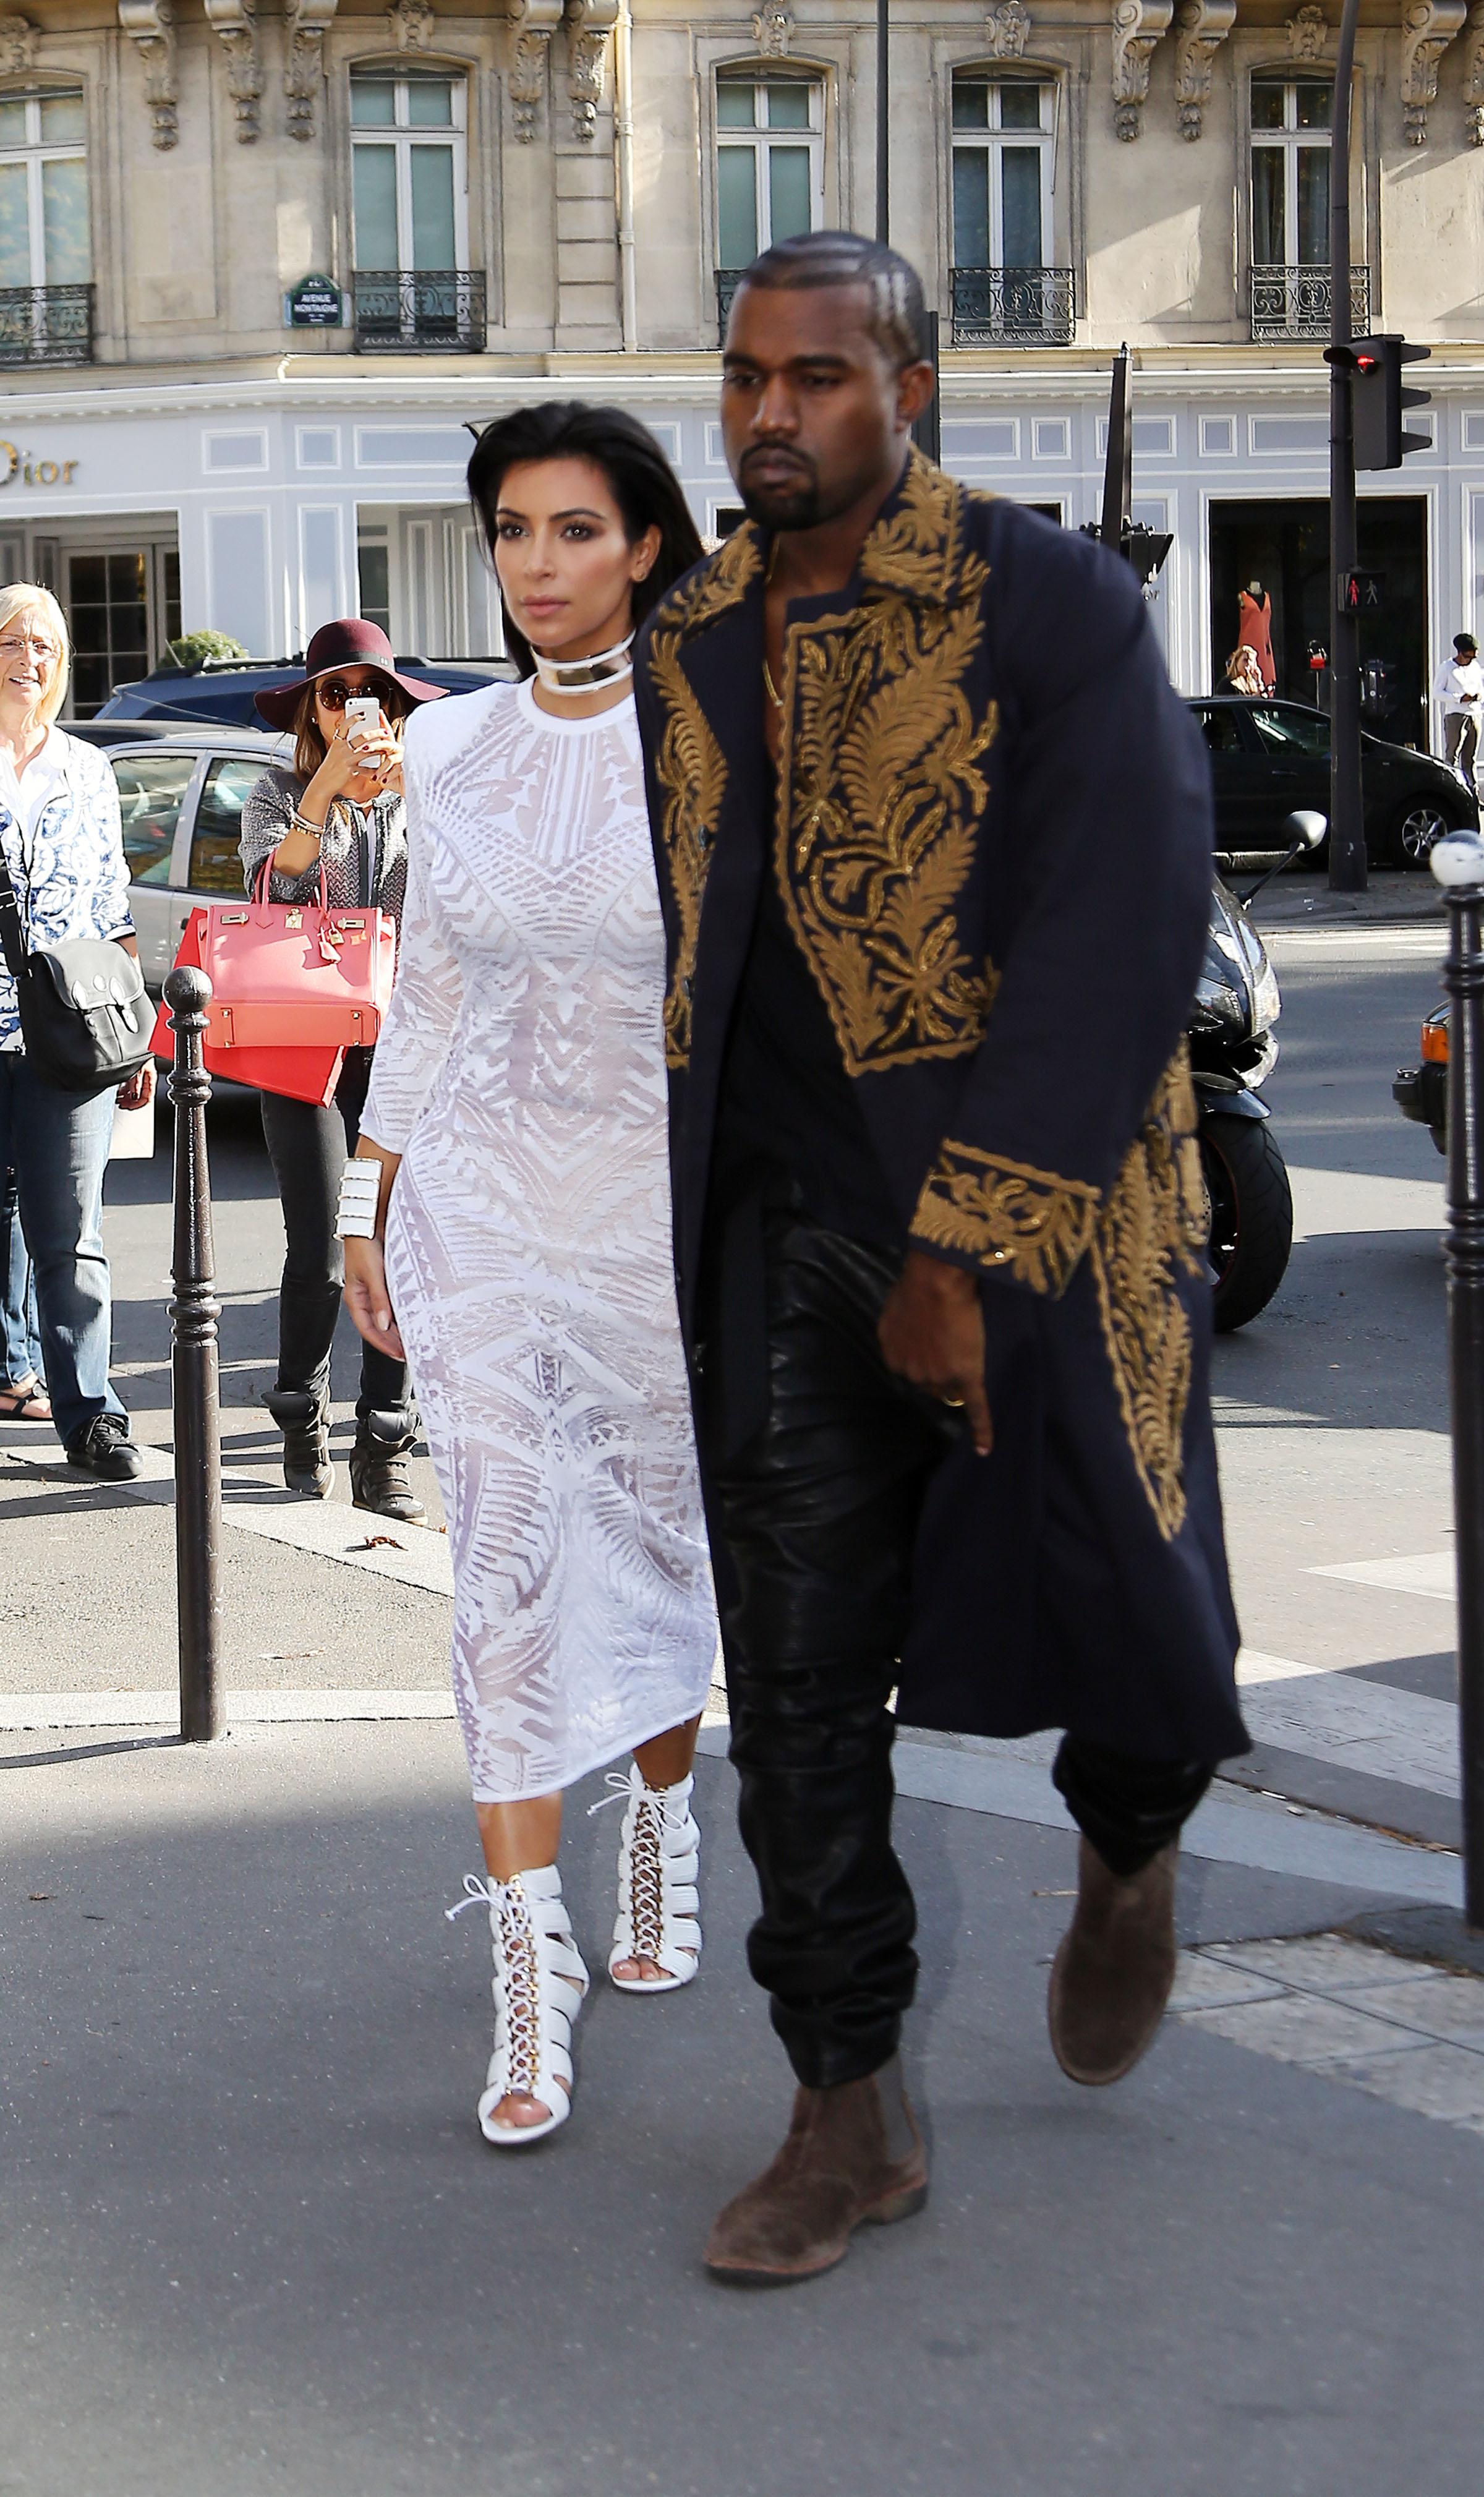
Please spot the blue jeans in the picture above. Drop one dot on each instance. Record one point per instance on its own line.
(20, 1352)
(57, 1146)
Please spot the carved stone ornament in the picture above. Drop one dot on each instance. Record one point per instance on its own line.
(305, 24)
(1428, 28)
(1203, 26)
(411, 25)
(1308, 33)
(235, 22)
(535, 21)
(1137, 26)
(18, 39)
(150, 24)
(589, 24)
(1474, 77)
(1008, 29)
(773, 30)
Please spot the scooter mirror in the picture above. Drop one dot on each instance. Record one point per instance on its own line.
(1306, 828)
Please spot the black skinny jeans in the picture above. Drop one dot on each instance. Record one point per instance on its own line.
(307, 1147)
(817, 1513)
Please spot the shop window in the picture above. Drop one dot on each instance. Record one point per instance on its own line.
(1004, 158)
(374, 565)
(45, 257)
(770, 169)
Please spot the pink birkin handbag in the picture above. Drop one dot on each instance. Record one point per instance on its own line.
(291, 974)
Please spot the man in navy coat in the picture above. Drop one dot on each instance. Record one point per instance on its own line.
(936, 893)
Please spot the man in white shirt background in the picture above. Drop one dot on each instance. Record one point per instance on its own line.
(1458, 690)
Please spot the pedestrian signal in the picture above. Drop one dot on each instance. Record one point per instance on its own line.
(1361, 593)
(1377, 401)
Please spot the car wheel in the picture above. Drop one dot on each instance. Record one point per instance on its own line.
(1418, 823)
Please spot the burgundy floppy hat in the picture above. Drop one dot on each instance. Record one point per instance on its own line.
(349, 643)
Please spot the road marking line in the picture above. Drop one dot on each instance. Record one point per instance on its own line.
(1335, 2008)
(1329, 1205)
(42, 1712)
(1418, 1573)
(415, 1555)
(1232, 1826)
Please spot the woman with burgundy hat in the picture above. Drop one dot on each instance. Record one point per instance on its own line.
(338, 813)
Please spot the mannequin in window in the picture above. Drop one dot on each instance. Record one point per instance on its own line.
(1254, 627)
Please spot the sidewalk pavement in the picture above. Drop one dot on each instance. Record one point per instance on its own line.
(1393, 896)
(252, 2240)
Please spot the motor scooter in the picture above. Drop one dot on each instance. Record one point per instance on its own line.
(1233, 1052)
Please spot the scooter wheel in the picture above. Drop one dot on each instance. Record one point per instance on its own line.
(1252, 1216)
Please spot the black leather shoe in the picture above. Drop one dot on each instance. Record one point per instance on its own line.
(378, 1467)
(104, 1450)
(304, 1421)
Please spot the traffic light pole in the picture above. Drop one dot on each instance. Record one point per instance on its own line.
(1347, 835)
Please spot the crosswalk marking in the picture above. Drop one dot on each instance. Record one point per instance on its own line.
(1419, 1573)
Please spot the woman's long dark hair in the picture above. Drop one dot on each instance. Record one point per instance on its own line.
(644, 487)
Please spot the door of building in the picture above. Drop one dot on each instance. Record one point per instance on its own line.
(1285, 547)
(122, 605)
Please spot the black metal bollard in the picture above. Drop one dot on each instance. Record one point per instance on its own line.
(194, 1311)
(1458, 864)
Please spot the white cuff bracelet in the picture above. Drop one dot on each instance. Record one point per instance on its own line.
(359, 1191)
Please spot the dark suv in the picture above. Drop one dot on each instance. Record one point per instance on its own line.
(1269, 757)
(221, 694)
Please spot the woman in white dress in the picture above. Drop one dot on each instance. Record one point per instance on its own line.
(510, 1202)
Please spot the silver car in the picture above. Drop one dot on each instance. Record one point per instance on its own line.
(181, 801)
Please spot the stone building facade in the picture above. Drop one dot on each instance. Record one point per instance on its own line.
(261, 267)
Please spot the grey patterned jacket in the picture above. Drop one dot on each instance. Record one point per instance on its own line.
(364, 851)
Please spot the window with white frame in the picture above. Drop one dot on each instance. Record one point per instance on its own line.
(1002, 136)
(44, 221)
(1291, 121)
(410, 169)
(769, 164)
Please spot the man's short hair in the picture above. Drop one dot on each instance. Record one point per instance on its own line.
(1464, 642)
(899, 315)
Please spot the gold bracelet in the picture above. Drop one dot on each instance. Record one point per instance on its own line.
(298, 823)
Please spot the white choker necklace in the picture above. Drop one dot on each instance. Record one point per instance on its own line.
(573, 677)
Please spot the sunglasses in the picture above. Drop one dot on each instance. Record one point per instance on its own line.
(334, 693)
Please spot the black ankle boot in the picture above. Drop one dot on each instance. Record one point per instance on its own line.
(304, 1421)
(378, 1466)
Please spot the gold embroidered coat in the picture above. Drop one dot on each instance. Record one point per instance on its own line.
(992, 838)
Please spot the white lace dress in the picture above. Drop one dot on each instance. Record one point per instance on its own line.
(520, 1075)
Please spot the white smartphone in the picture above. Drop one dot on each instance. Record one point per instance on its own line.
(361, 714)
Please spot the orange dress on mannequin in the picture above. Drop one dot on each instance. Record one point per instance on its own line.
(1255, 629)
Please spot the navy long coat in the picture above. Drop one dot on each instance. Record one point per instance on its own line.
(992, 833)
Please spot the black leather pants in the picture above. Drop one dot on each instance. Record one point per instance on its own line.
(818, 1516)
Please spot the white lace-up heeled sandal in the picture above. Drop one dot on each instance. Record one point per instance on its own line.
(539, 1984)
(659, 1905)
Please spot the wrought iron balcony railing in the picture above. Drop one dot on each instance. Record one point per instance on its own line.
(1013, 308)
(420, 310)
(46, 324)
(1295, 302)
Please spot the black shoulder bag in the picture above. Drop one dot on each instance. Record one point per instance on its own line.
(84, 1017)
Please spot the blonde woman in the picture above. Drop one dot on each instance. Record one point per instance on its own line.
(61, 846)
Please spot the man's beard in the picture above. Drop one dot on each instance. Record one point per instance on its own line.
(795, 506)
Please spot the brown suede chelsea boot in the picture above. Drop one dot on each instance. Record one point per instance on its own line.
(853, 2157)
(1111, 1979)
